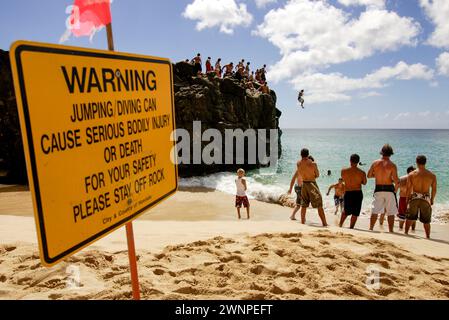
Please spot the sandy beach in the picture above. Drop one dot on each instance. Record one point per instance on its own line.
(192, 247)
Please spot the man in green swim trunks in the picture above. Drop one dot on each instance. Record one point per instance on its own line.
(310, 193)
(420, 199)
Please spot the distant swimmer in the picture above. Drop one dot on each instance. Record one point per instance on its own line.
(301, 98)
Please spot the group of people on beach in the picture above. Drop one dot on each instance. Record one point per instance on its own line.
(241, 72)
(417, 190)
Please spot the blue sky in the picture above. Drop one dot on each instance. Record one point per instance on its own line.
(363, 63)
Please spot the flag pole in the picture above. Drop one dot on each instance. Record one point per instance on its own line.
(129, 225)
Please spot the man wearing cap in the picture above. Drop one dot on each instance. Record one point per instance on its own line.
(387, 181)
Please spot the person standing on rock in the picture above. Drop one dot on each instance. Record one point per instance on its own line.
(263, 72)
(197, 64)
(251, 77)
(228, 69)
(257, 76)
(403, 199)
(209, 65)
(218, 67)
(247, 70)
(310, 192)
(264, 88)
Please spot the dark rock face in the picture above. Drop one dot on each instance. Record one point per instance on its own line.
(218, 103)
(12, 159)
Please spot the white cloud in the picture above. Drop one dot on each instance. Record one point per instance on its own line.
(402, 115)
(321, 87)
(438, 12)
(264, 3)
(368, 3)
(442, 63)
(370, 94)
(424, 114)
(314, 34)
(225, 14)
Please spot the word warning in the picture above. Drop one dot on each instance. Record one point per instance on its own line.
(97, 129)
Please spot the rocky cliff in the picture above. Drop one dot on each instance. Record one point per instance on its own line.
(12, 159)
(218, 103)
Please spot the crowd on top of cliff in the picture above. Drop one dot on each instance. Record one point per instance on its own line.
(240, 72)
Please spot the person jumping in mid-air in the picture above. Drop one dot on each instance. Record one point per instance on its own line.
(300, 98)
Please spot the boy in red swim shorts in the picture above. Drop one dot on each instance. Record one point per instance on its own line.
(240, 197)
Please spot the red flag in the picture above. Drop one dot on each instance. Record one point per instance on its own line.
(87, 17)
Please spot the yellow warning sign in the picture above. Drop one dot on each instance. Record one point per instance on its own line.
(97, 128)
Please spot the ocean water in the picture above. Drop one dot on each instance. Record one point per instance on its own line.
(331, 150)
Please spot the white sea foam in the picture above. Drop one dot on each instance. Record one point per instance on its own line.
(225, 182)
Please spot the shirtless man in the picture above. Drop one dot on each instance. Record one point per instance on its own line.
(403, 199)
(354, 178)
(310, 193)
(387, 181)
(264, 88)
(339, 194)
(297, 182)
(228, 69)
(197, 63)
(420, 200)
(218, 68)
(262, 73)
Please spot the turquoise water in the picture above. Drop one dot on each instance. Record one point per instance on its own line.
(332, 149)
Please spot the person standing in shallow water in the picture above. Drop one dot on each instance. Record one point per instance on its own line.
(420, 200)
(339, 194)
(297, 183)
(354, 178)
(385, 172)
(403, 199)
(310, 192)
(241, 198)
